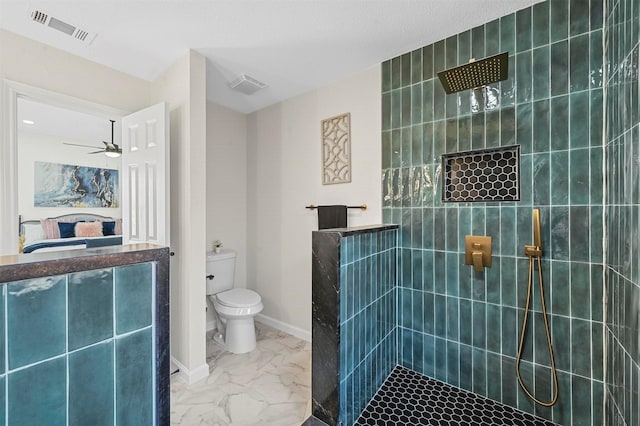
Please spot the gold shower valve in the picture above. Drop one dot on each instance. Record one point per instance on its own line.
(478, 252)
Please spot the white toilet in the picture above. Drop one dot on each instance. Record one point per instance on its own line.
(235, 307)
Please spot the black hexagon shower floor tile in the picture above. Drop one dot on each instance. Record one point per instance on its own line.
(409, 398)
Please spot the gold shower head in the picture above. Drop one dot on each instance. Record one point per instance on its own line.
(476, 73)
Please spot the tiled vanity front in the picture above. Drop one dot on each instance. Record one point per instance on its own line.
(84, 337)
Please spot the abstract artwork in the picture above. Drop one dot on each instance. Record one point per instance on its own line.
(65, 185)
(336, 149)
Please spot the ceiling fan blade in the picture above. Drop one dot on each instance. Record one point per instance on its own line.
(96, 152)
(77, 144)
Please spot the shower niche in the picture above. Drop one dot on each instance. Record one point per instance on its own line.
(485, 175)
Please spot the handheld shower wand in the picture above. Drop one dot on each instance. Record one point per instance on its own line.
(535, 252)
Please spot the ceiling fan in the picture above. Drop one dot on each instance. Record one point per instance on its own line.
(110, 149)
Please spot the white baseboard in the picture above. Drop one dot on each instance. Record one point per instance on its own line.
(283, 326)
(194, 375)
(211, 325)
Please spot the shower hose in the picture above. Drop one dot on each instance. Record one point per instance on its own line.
(535, 252)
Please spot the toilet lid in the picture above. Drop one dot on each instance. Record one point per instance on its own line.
(239, 298)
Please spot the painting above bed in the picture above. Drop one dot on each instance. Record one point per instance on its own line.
(66, 185)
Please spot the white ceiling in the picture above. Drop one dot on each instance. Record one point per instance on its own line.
(291, 45)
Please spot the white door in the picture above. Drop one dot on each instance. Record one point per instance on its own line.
(145, 176)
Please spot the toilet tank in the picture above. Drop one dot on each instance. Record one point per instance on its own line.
(222, 266)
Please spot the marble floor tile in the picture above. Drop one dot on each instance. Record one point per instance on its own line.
(270, 386)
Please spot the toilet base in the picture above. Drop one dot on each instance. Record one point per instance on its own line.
(240, 335)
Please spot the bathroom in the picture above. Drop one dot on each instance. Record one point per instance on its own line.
(571, 104)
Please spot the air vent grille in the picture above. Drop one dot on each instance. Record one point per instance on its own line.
(247, 85)
(57, 24)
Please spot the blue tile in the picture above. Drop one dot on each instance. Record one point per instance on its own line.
(90, 307)
(37, 395)
(2, 331)
(134, 379)
(2, 400)
(133, 297)
(36, 320)
(91, 386)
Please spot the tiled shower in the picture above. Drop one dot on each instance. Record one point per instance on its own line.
(462, 327)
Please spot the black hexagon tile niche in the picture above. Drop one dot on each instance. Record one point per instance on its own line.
(409, 398)
(482, 175)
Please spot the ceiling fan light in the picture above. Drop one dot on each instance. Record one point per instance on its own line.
(112, 154)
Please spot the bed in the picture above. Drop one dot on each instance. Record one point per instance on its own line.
(67, 232)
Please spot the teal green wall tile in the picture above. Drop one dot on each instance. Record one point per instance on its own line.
(596, 350)
(451, 105)
(559, 178)
(595, 14)
(452, 318)
(36, 320)
(492, 229)
(479, 338)
(492, 129)
(477, 131)
(595, 62)
(427, 62)
(90, 307)
(596, 117)
(524, 403)
(134, 379)
(579, 177)
(580, 342)
(439, 57)
(507, 33)
(386, 110)
(405, 95)
(386, 150)
(396, 73)
(540, 348)
(396, 109)
(524, 77)
(439, 273)
(451, 234)
(451, 135)
(427, 145)
(559, 72)
(578, 117)
(508, 86)
(416, 104)
(560, 123)
(508, 281)
(562, 410)
(541, 125)
(453, 367)
(510, 331)
(440, 359)
(559, 238)
(507, 126)
(133, 297)
(464, 133)
(523, 30)
(578, 17)
(492, 37)
(405, 150)
(559, 21)
(91, 386)
(466, 329)
(416, 145)
(385, 76)
(428, 313)
(561, 339)
(416, 66)
(579, 63)
(479, 371)
(451, 52)
(464, 47)
(579, 233)
(439, 101)
(524, 124)
(477, 42)
(526, 176)
(509, 386)
(541, 24)
(37, 395)
(405, 78)
(439, 139)
(427, 101)
(541, 72)
(596, 292)
(494, 327)
(541, 179)
(396, 145)
(3, 402)
(581, 290)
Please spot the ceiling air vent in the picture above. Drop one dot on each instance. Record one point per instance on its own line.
(71, 30)
(247, 85)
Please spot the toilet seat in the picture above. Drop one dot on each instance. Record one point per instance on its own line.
(238, 298)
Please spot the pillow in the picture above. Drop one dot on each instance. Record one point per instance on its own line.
(66, 229)
(88, 229)
(32, 232)
(109, 228)
(50, 228)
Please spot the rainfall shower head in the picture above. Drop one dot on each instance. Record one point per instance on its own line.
(476, 73)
